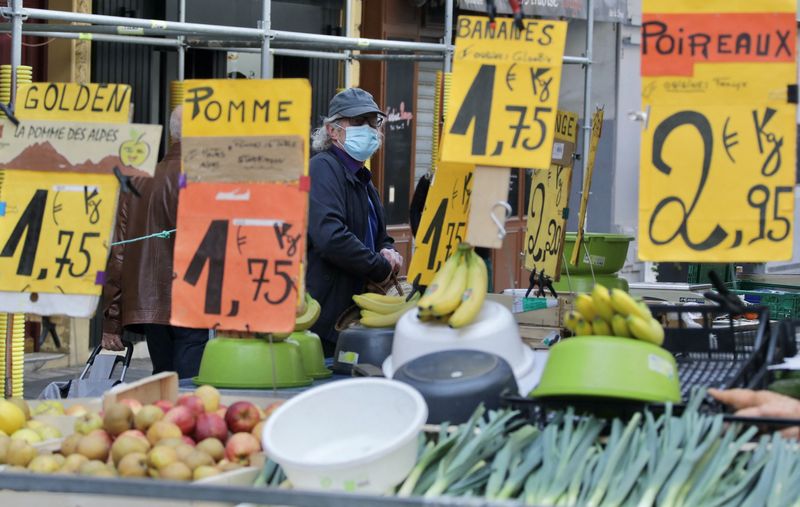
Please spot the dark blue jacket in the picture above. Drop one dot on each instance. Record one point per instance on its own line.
(339, 263)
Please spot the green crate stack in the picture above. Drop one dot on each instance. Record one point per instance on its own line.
(783, 300)
(698, 273)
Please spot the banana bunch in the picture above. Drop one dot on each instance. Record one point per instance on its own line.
(613, 313)
(379, 310)
(307, 313)
(457, 291)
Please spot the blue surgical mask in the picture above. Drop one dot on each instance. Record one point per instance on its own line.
(361, 142)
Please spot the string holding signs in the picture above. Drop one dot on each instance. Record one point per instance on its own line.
(246, 130)
(443, 224)
(91, 102)
(718, 149)
(54, 230)
(548, 207)
(505, 90)
(237, 256)
(87, 148)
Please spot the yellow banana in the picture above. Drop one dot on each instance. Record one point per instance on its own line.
(600, 327)
(449, 300)
(620, 327)
(583, 328)
(374, 319)
(645, 310)
(623, 303)
(585, 305)
(310, 316)
(571, 321)
(441, 281)
(382, 304)
(648, 330)
(473, 297)
(602, 302)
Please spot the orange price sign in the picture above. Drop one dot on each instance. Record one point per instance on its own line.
(238, 250)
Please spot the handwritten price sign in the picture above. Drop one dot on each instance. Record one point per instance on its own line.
(55, 230)
(237, 256)
(224, 118)
(444, 220)
(718, 154)
(91, 102)
(548, 207)
(504, 93)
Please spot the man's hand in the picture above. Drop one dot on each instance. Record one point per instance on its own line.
(394, 258)
(750, 403)
(112, 342)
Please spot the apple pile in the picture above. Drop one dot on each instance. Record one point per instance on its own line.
(193, 438)
(15, 420)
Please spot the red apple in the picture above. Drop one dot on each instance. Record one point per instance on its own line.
(210, 425)
(240, 446)
(134, 404)
(181, 417)
(242, 417)
(164, 405)
(188, 440)
(193, 403)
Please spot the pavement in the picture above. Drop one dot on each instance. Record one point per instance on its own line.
(36, 381)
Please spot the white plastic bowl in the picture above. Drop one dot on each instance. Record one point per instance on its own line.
(355, 435)
(494, 330)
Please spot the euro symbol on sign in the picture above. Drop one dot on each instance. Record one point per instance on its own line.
(510, 77)
(729, 139)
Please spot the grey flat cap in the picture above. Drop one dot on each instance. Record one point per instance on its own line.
(353, 102)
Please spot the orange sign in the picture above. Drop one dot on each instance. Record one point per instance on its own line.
(238, 250)
(672, 43)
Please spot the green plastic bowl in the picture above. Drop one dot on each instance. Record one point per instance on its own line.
(311, 353)
(246, 363)
(608, 252)
(585, 283)
(609, 367)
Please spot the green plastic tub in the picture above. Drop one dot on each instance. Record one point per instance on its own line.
(607, 251)
(610, 367)
(246, 363)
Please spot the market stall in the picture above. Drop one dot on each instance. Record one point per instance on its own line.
(584, 389)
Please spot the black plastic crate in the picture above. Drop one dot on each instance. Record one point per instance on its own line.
(722, 352)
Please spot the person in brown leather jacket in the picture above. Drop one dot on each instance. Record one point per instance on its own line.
(137, 294)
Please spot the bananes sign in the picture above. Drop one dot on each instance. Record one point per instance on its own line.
(604, 10)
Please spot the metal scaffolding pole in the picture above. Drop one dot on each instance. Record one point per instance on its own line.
(587, 97)
(125, 39)
(181, 40)
(448, 35)
(348, 22)
(16, 45)
(266, 26)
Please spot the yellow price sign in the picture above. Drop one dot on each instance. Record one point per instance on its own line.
(91, 102)
(718, 151)
(548, 207)
(55, 231)
(443, 224)
(246, 107)
(504, 94)
(237, 112)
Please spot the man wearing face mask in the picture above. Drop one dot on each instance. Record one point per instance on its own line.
(347, 241)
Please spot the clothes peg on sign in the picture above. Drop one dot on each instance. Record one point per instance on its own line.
(125, 184)
(544, 282)
(9, 112)
(516, 10)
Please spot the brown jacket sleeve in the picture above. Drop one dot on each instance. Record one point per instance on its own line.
(112, 289)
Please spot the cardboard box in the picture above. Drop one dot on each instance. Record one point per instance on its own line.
(547, 317)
